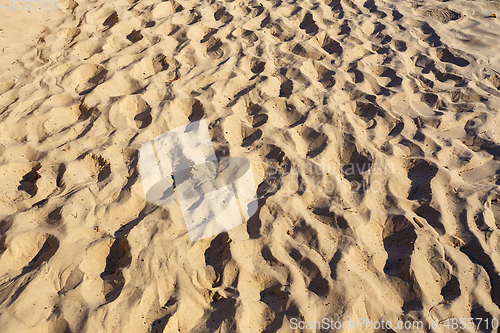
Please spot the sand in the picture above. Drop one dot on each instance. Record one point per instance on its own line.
(373, 134)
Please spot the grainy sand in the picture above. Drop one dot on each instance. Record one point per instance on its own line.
(373, 133)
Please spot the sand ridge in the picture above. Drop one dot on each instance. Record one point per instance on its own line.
(371, 127)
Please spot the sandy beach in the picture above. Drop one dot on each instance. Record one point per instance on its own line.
(367, 132)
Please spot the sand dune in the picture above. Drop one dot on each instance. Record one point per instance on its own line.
(371, 127)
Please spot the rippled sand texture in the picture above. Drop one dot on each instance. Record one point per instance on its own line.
(409, 88)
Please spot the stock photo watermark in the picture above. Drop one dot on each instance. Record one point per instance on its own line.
(451, 323)
(310, 177)
(355, 324)
(28, 5)
(179, 167)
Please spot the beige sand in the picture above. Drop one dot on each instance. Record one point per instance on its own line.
(402, 96)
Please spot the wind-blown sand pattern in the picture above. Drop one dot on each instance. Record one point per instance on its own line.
(400, 96)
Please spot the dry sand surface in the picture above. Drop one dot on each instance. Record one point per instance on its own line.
(372, 129)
